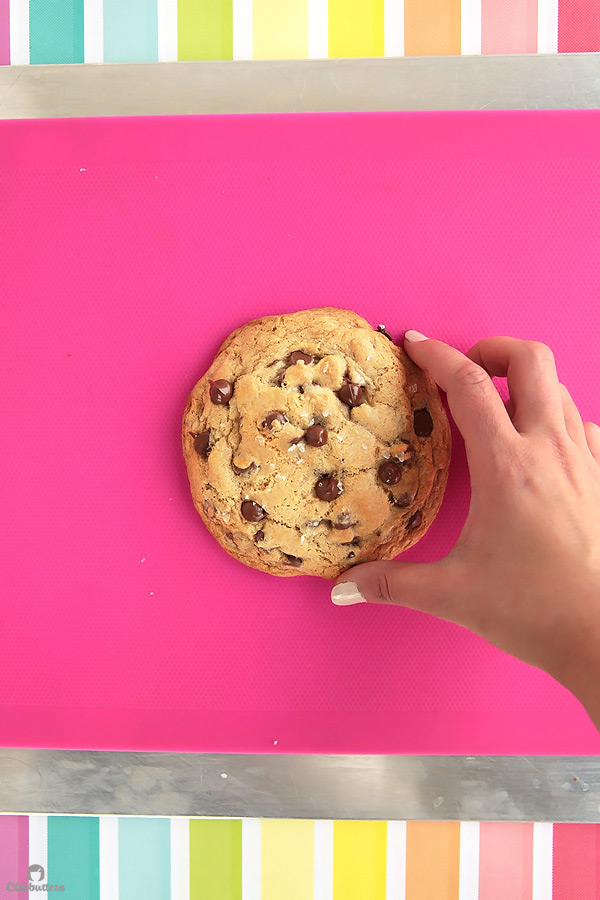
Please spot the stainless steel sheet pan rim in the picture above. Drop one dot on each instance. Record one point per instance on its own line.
(528, 81)
(307, 786)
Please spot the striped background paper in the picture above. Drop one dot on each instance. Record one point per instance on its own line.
(113, 858)
(95, 31)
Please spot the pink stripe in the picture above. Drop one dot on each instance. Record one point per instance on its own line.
(578, 26)
(509, 26)
(4, 33)
(14, 852)
(576, 862)
(505, 861)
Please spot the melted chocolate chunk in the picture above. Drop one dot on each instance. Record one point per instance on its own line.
(298, 356)
(292, 560)
(328, 488)
(389, 473)
(351, 394)
(351, 555)
(275, 417)
(423, 422)
(221, 391)
(339, 527)
(414, 521)
(383, 330)
(259, 536)
(280, 378)
(252, 512)
(249, 470)
(201, 443)
(402, 500)
(316, 435)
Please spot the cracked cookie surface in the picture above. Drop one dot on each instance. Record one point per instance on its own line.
(313, 443)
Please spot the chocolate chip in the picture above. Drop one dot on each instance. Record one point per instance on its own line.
(402, 500)
(389, 473)
(298, 356)
(351, 555)
(275, 417)
(423, 422)
(344, 521)
(252, 512)
(351, 394)
(328, 488)
(340, 527)
(221, 391)
(259, 536)
(316, 435)
(280, 378)
(201, 443)
(249, 470)
(383, 330)
(414, 521)
(292, 560)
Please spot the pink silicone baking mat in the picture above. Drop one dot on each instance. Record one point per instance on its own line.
(130, 249)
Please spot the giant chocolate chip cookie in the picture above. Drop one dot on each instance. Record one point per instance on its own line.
(313, 443)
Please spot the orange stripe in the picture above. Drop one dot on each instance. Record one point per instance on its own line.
(509, 26)
(431, 27)
(432, 860)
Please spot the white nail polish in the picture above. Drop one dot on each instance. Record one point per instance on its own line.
(346, 594)
(415, 336)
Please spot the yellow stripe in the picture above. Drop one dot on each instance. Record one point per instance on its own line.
(287, 859)
(280, 29)
(432, 860)
(356, 28)
(359, 860)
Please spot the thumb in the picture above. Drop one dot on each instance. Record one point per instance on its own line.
(423, 586)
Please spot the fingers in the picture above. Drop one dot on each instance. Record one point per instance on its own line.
(573, 420)
(422, 586)
(474, 402)
(592, 433)
(532, 381)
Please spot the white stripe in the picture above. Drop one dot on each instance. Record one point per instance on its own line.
(38, 842)
(468, 879)
(318, 29)
(19, 32)
(323, 860)
(93, 31)
(396, 861)
(109, 857)
(542, 861)
(470, 27)
(393, 24)
(242, 29)
(547, 26)
(180, 857)
(167, 30)
(251, 867)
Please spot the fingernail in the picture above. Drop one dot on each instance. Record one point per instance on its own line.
(346, 594)
(415, 336)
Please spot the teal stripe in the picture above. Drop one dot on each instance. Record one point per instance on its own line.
(74, 856)
(144, 859)
(130, 31)
(55, 31)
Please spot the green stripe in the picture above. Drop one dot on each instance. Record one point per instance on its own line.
(205, 29)
(130, 31)
(144, 859)
(74, 856)
(55, 31)
(215, 859)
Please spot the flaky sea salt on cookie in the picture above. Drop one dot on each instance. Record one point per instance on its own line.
(313, 443)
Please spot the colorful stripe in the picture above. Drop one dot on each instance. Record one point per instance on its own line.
(576, 862)
(56, 31)
(130, 31)
(251, 859)
(73, 856)
(509, 26)
(578, 26)
(505, 861)
(280, 30)
(4, 33)
(205, 29)
(432, 27)
(356, 28)
(215, 859)
(432, 860)
(359, 860)
(144, 855)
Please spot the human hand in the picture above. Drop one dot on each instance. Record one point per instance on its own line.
(525, 571)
